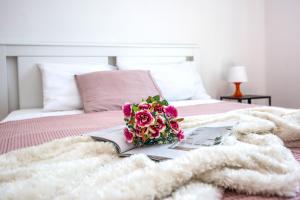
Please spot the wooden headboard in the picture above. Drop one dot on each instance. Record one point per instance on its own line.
(20, 80)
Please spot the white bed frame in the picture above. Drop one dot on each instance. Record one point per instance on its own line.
(20, 81)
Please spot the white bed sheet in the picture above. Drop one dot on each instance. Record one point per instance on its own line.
(39, 112)
(36, 113)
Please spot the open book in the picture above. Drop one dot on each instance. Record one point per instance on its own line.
(194, 138)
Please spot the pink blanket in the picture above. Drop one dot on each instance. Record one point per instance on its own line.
(24, 133)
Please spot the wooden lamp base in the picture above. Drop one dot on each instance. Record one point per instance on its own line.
(237, 92)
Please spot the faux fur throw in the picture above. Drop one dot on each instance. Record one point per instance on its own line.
(253, 160)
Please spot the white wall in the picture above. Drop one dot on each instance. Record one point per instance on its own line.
(229, 31)
(283, 51)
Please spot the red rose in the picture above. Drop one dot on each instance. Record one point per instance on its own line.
(158, 126)
(171, 112)
(180, 135)
(155, 135)
(159, 108)
(140, 131)
(128, 135)
(175, 126)
(127, 110)
(144, 118)
(144, 106)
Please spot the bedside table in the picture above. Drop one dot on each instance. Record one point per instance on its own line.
(248, 98)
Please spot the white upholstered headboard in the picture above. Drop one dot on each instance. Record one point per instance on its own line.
(20, 80)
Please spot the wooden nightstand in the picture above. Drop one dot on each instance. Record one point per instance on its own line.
(248, 98)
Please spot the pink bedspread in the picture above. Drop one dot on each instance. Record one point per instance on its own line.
(23, 133)
(29, 132)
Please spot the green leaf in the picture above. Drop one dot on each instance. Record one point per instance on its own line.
(154, 114)
(130, 126)
(165, 102)
(149, 100)
(135, 108)
(157, 98)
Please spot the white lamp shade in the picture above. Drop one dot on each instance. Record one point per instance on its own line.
(237, 74)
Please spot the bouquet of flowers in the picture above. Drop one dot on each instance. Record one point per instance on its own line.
(153, 121)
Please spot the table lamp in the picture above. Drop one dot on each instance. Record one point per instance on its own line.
(237, 75)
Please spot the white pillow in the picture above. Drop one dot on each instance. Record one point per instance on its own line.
(59, 86)
(178, 81)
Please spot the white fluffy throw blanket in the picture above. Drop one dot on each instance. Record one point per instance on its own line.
(253, 160)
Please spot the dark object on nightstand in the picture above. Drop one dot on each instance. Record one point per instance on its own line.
(248, 98)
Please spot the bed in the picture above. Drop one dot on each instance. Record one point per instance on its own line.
(30, 126)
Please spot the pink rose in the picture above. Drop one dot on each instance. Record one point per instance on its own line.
(155, 135)
(159, 108)
(144, 106)
(128, 135)
(159, 125)
(140, 131)
(180, 135)
(127, 110)
(175, 126)
(144, 118)
(171, 112)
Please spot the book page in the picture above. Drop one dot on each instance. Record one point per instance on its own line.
(195, 138)
(156, 152)
(201, 136)
(114, 135)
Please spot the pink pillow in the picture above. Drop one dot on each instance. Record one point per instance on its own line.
(109, 90)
